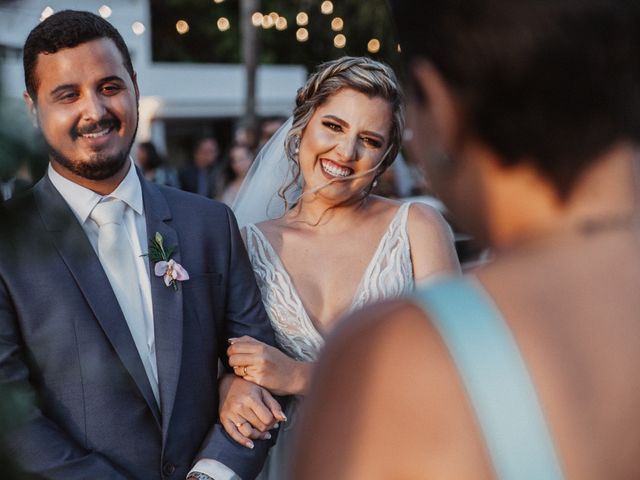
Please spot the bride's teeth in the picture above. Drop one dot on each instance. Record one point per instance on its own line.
(335, 170)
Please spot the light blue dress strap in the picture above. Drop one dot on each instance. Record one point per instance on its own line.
(496, 379)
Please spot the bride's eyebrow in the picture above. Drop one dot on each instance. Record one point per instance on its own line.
(337, 120)
(346, 125)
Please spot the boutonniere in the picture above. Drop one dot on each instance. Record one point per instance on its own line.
(165, 266)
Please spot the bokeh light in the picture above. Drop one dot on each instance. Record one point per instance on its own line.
(281, 23)
(337, 24)
(182, 27)
(267, 21)
(373, 46)
(339, 41)
(46, 13)
(327, 7)
(302, 19)
(223, 24)
(105, 11)
(138, 28)
(302, 34)
(256, 19)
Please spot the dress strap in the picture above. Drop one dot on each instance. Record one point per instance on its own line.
(403, 213)
(495, 377)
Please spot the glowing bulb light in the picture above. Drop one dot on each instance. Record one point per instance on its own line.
(46, 13)
(326, 7)
(105, 11)
(302, 19)
(302, 34)
(373, 46)
(339, 41)
(218, 1)
(281, 24)
(267, 22)
(138, 28)
(256, 19)
(337, 24)
(223, 24)
(182, 27)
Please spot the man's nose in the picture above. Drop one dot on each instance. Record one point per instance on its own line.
(93, 107)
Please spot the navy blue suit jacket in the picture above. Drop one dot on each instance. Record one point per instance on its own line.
(64, 339)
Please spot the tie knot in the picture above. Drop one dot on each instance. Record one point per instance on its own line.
(109, 211)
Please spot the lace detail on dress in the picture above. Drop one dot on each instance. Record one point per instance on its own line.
(388, 275)
(390, 272)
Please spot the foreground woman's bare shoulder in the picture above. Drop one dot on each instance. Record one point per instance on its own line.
(386, 402)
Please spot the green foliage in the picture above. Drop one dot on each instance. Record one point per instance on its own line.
(363, 20)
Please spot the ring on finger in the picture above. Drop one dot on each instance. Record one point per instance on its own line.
(244, 371)
(239, 424)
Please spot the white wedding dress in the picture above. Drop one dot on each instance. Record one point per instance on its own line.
(388, 275)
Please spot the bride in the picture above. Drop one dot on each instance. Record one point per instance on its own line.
(333, 247)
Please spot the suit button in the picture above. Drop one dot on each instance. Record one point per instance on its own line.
(168, 468)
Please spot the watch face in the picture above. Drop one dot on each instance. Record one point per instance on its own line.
(199, 476)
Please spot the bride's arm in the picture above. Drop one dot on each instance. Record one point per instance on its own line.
(431, 239)
(268, 367)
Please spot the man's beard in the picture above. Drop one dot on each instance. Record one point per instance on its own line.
(99, 166)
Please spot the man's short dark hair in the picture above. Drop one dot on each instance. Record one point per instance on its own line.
(67, 29)
(552, 82)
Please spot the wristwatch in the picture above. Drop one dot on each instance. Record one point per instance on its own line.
(198, 476)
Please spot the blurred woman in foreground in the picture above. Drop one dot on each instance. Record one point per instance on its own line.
(527, 117)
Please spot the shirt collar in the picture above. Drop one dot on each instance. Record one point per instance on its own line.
(82, 200)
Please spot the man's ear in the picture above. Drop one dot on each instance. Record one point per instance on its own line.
(31, 108)
(439, 100)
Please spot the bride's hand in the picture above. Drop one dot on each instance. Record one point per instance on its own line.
(247, 411)
(268, 367)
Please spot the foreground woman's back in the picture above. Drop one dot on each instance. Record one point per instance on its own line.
(579, 338)
(541, 167)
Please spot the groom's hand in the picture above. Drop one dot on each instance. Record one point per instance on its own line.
(247, 411)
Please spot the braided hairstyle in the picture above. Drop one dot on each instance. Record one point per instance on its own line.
(367, 76)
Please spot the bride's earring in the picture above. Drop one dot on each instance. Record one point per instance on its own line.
(296, 149)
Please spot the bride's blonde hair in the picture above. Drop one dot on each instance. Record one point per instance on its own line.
(367, 76)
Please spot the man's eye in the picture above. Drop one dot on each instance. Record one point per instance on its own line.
(66, 97)
(111, 89)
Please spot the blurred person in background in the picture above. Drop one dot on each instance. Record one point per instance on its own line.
(152, 165)
(334, 247)
(244, 135)
(14, 179)
(526, 116)
(237, 166)
(202, 176)
(268, 127)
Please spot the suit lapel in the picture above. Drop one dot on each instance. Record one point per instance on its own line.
(77, 253)
(167, 302)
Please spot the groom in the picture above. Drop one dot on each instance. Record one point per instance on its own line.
(116, 349)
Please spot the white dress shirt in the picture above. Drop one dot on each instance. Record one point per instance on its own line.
(81, 200)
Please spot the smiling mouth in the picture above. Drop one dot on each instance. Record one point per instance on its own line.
(98, 134)
(334, 170)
